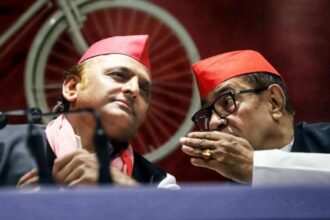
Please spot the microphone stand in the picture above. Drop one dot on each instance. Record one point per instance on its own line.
(103, 149)
(36, 143)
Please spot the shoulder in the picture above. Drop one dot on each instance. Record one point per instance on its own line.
(320, 127)
(10, 130)
(146, 172)
(15, 158)
(318, 130)
(312, 137)
(17, 130)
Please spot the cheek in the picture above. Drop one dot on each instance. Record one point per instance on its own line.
(143, 109)
(104, 90)
(253, 122)
(246, 121)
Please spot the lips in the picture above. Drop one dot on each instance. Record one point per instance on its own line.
(126, 104)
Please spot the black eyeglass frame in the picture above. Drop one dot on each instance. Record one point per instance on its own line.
(232, 94)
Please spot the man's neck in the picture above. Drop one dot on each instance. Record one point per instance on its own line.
(84, 127)
(282, 135)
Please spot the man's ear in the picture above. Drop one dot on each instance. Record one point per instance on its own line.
(276, 100)
(70, 86)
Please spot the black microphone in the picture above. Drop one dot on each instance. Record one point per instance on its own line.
(36, 144)
(104, 150)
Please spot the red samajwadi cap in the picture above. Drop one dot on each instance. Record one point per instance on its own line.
(135, 46)
(213, 71)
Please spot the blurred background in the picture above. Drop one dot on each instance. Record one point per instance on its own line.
(292, 34)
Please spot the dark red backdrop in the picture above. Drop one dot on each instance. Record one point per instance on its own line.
(293, 34)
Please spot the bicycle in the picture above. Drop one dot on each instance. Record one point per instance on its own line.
(77, 23)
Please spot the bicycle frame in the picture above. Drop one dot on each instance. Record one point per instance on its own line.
(75, 20)
(22, 20)
(69, 9)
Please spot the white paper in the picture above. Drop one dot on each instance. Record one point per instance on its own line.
(278, 167)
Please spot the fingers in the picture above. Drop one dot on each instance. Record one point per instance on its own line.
(59, 163)
(77, 182)
(79, 177)
(220, 168)
(194, 152)
(241, 173)
(204, 163)
(79, 167)
(216, 154)
(29, 179)
(197, 143)
(122, 179)
(73, 176)
(211, 135)
(229, 155)
(82, 177)
(226, 143)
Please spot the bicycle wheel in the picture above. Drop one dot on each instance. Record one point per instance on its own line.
(172, 51)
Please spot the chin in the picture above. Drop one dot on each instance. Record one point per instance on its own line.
(119, 130)
(119, 124)
(120, 135)
(117, 117)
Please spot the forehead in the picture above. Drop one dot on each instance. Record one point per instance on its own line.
(230, 84)
(112, 61)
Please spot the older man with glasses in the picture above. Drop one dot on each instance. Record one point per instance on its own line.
(246, 125)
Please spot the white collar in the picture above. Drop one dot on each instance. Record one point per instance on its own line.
(288, 147)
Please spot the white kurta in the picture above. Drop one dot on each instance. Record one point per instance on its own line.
(169, 182)
(282, 167)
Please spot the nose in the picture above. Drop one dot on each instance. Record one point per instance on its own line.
(217, 123)
(131, 87)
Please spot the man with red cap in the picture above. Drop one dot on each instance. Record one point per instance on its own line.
(113, 77)
(246, 125)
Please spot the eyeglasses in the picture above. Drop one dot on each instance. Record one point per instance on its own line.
(223, 106)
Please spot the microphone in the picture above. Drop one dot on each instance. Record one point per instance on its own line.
(36, 143)
(104, 150)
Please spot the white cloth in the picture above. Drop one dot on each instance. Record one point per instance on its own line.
(169, 182)
(288, 147)
(281, 167)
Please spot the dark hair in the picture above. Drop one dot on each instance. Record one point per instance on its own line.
(264, 79)
(62, 104)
